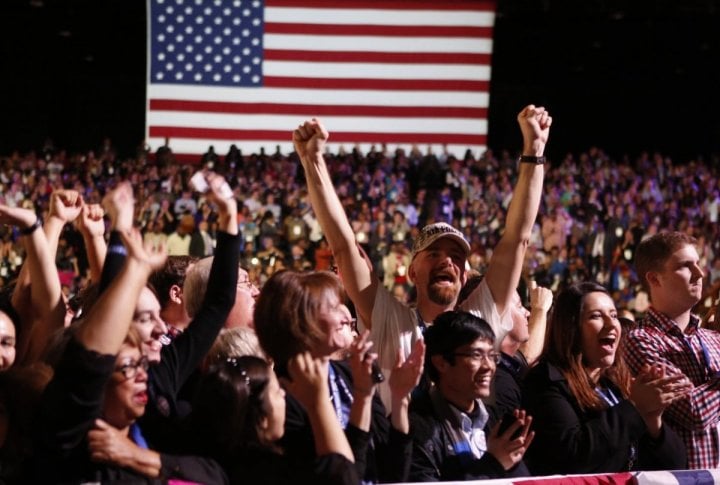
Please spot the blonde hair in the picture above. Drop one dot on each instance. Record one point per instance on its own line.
(234, 343)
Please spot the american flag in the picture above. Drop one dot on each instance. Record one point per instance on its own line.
(247, 72)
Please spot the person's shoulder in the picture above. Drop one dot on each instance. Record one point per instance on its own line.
(644, 329)
(390, 306)
(543, 371)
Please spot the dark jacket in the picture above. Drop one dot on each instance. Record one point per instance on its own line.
(507, 385)
(382, 454)
(435, 456)
(71, 403)
(181, 358)
(569, 440)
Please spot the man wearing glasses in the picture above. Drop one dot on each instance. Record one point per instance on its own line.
(453, 438)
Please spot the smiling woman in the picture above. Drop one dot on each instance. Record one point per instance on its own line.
(590, 416)
(306, 312)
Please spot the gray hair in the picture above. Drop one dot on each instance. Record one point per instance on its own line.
(195, 285)
(232, 343)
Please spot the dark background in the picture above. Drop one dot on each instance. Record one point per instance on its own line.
(625, 76)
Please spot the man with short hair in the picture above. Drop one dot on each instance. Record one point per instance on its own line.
(670, 335)
(453, 438)
(439, 253)
(168, 285)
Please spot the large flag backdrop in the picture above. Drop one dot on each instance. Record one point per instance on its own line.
(247, 72)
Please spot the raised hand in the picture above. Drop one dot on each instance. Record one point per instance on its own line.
(310, 138)
(535, 126)
(407, 372)
(361, 361)
(65, 205)
(541, 298)
(221, 195)
(144, 254)
(653, 390)
(17, 216)
(309, 380)
(90, 222)
(506, 449)
(120, 206)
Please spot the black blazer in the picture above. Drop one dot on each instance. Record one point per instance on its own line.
(569, 440)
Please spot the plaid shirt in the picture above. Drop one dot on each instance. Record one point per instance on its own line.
(696, 354)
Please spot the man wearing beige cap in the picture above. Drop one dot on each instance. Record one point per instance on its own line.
(439, 253)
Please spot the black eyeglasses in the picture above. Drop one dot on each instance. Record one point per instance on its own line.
(129, 369)
(477, 355)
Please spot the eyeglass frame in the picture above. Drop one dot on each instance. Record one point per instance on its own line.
(477, 355)
(130, 370)
(247, 284)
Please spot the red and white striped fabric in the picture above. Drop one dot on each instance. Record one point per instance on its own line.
(404, 73)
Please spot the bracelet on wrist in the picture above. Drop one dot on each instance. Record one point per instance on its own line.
(30, 229)
(532, 159)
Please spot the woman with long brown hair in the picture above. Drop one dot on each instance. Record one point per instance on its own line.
(590, 415)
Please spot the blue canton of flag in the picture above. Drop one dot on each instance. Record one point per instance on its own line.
(401, 73)
(209, 42)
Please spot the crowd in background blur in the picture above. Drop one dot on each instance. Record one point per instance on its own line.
(594, 212)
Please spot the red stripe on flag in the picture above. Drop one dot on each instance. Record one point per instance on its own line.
(318, 110)
(376, 84)
(475, 5)
(379, 30)
(377, 57)
(337, 137)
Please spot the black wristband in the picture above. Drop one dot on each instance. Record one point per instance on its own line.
(531, 159)
(30, 229)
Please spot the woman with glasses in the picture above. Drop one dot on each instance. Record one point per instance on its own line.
(590, 415)
(306, 312)
(86, 428)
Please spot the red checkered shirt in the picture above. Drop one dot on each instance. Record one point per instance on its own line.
(696, 354)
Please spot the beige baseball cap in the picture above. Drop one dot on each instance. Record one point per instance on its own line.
(432, 232)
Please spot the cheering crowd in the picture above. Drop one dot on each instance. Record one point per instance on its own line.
(338, 318)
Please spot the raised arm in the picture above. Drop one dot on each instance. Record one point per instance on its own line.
(119, 204)
(308, 384)
(65, 207)
(505, 268)
(92, 227)
(182, 357)
(108, 321)
(40, 303)
(359, 281)
(404, 378)
(45, 309)
(540, 302)
(361, 361)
